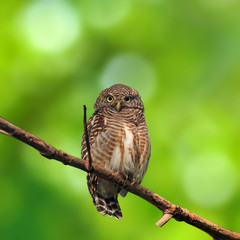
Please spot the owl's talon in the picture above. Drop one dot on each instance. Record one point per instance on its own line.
(133, 182)
(129, 179)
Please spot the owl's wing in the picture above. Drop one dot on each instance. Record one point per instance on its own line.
(84, 151)
(144, 150)
(95, 128)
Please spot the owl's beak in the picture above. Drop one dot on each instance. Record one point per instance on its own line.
(118, 106)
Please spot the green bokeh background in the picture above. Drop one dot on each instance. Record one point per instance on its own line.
(184, 59)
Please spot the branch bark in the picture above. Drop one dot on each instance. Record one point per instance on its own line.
(169, 210)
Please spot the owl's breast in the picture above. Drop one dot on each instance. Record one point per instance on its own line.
(124, 157)
(123, 147)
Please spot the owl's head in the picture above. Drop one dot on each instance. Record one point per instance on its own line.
(119, 97)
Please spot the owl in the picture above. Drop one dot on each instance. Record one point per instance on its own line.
(119, 141)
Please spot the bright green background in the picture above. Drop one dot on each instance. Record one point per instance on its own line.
(184, 59)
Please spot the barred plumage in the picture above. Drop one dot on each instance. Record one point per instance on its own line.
(119, 141)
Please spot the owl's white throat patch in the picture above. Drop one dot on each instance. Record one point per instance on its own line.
(127, 160)
(129, 154)
(115, 159)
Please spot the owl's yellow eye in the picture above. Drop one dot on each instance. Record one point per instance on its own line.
(128, 99)
(109, 98)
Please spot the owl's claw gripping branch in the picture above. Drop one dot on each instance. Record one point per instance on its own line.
(170, 210)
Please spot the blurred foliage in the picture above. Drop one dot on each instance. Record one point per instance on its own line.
(184, 59)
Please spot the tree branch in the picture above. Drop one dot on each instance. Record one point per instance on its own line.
(169, 210)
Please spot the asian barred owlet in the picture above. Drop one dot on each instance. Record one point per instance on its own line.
(119, 141)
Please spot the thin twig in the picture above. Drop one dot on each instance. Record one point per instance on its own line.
(87, 138)
(165, 218)
(5, 133)
(178, 213)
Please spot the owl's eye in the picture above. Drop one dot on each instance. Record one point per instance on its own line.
(109, 98)
(128, 99)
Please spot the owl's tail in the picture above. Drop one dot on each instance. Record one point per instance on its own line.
(108, 206)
